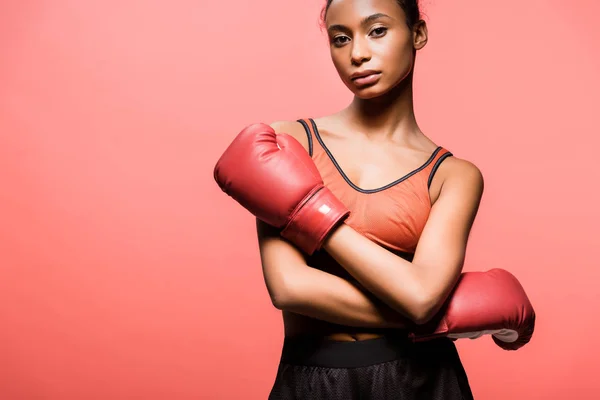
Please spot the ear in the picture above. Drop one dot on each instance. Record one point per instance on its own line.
(420, 35)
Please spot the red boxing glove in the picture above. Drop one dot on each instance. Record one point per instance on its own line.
(274, 178)
(491, 302)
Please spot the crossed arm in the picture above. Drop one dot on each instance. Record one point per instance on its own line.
(398, 292)
(294, 286)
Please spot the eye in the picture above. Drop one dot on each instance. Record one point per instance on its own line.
(340, 40)
(379, 32)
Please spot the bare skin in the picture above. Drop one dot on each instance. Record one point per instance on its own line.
(376, 140)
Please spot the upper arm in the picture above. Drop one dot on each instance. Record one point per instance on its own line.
(279, 259)
(442, 247)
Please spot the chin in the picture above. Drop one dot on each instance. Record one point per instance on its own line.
(370, 92)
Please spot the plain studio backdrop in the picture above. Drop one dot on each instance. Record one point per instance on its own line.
(125, 273)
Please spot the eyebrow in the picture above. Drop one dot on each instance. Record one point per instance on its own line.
(365, 21)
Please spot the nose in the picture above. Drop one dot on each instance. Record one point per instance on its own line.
(361, 52)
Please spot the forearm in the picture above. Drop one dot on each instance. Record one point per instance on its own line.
(391, 278)
(318, 294)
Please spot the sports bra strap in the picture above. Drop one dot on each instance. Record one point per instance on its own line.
(308, 127)
(438, 159)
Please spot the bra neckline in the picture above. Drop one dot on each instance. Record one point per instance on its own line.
(375, 190)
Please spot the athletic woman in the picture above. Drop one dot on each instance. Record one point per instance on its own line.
(363, 224)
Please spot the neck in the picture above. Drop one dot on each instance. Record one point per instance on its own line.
(387, 117)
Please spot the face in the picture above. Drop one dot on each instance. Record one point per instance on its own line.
(371, 45)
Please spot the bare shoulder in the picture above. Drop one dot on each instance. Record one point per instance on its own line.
(462, 175)
(292, 128)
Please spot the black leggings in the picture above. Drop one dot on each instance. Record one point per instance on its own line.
(375, 369)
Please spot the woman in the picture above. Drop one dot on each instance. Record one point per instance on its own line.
(359, 263)
(374, 157)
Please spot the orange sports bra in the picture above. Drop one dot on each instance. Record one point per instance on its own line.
(394, 215)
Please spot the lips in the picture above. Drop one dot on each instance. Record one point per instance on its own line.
(363, 74)
(365, 78)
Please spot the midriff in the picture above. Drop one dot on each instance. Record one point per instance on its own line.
(300, 325)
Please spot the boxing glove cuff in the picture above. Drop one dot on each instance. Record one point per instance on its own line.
(314, 218)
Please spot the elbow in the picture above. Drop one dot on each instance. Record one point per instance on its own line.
(424, 310)
(422, 316)
(281, 300)
(283, 296)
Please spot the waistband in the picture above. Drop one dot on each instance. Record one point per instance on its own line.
(321, 352)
